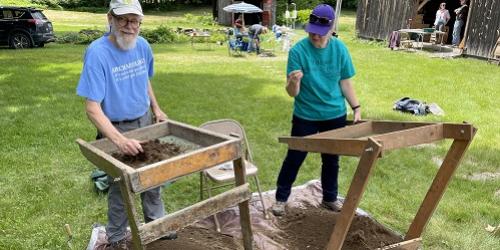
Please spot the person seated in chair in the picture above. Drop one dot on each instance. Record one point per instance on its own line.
(239, 30)
(241, 36)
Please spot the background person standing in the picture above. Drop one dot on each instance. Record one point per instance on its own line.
(461, 12)
(442, 17)
(254, 33)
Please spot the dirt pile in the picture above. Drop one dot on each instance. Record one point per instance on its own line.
(299, 229)
(153, 151)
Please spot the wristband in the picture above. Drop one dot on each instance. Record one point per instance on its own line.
(356, 107)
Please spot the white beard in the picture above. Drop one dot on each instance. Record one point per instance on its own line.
(125, 42)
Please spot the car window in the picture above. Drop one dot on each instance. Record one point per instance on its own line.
(7, 14)
(18, 13)
(38, 15)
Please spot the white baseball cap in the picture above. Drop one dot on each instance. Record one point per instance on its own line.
(122, 7)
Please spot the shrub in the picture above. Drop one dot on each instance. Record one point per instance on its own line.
(53, 4)
(303, 16)
(205, 19)
(85, 36)
(163, 34)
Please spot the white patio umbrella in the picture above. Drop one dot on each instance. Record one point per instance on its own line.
(242, 8)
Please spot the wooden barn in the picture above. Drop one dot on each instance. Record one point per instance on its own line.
(266, 18)
(377, 18)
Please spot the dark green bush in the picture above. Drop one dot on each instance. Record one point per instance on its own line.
(205, 19)
(85, 36)
(161, 34)
(52, 4)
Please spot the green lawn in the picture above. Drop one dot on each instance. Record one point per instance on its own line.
(44, 180)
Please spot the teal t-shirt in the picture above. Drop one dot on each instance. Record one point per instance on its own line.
(320, 96)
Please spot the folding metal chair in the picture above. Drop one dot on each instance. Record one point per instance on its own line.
(223, 175)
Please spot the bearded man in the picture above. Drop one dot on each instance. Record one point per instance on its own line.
(118, 98)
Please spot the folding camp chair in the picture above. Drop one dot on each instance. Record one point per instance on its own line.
(236, 44)
(223, 174)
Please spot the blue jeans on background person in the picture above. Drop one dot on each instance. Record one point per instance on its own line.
(294, 159)
(252, 45)
(457, 28)
(440, 26)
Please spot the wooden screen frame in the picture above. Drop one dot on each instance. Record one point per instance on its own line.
(215, 149)
(369, 140)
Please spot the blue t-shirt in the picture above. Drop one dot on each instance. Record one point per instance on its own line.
(320, 96)
(117, 79)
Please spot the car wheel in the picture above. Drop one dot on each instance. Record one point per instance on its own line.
(20, 41)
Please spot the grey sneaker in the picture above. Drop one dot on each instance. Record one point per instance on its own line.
(171, 235)
(122, 244)
(335, 206)
(278, 208)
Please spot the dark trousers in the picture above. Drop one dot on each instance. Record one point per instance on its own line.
(294, 159)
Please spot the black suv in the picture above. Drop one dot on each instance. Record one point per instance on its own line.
(22, 27)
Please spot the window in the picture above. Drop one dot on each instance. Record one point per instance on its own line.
(38, 15)
(7, 14)
(18, 13)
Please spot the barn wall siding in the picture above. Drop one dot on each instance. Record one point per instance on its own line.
(377, 18)
(484, 27)
(224, 18)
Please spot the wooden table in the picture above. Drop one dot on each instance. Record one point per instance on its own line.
(203, 36)
(421, 33)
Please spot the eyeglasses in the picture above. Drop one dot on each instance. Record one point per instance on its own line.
(320, 20)
(123, 21)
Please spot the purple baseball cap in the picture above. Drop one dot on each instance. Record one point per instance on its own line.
(321, 20)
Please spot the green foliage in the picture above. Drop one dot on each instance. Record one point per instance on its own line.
(163, 34)
(346, 4)
(20, 3)
(307, 6)
(52, 4)
(205, 19)
(85, 36)
(82, 3)
(350, 4)
(303, 16)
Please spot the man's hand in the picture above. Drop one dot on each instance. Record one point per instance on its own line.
(129, 146)
(159, 116)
